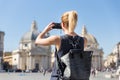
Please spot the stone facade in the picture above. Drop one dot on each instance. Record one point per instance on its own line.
(7, 57)
(1, 47)
(113, 57)
(92, 44)
(30, 56)
(116, 51)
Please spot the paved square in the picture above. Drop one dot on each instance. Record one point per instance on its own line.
(24, 76)
(40, 76)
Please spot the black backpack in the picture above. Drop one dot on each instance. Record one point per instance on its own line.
(77, 64)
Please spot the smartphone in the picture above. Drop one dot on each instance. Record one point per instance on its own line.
(57, 26)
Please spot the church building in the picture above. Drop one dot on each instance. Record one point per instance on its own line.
(93, 45)
(30, 56)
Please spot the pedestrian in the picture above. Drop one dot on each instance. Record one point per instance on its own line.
(118, 72)
(68, 25)
(44, 72)
(93, 72)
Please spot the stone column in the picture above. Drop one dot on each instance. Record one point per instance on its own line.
(27, 64)
(20, 62)
(30, 61)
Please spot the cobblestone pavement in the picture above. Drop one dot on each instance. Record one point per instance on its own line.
(24, 76)
(103, 76)
(40, 76)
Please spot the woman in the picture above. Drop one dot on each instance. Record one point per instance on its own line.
(68, 24)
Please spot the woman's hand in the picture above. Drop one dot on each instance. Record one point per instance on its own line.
(51, 40)
(48, 27)
(47, 41)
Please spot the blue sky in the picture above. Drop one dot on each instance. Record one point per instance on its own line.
(101, 17)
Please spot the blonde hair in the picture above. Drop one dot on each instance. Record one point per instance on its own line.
(70, 20)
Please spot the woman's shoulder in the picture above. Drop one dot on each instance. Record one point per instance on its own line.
(83, 37)
(85, 40)
(55, 37)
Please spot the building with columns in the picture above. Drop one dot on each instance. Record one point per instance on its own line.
(116, 51)
(30, 56)
(113, 57)
(1, 47)
(110, 59)
(92, 44)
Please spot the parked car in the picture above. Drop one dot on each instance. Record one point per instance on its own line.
(18, 70)
(35, 70)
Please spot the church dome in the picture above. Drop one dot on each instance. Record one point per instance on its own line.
(30, 35)
(91, 40)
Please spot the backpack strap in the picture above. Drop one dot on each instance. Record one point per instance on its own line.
(75, 42)
(59, 66)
